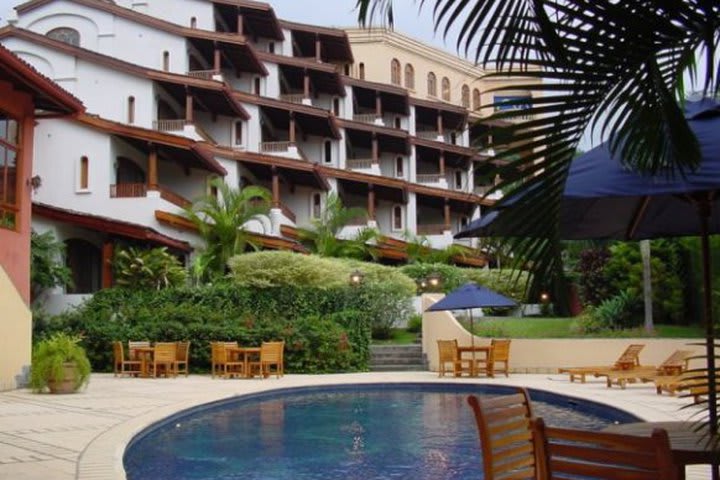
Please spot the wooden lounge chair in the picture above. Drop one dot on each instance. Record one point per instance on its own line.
(271, 355)
(182, 359)
(121, 365)
(691, 382)
(500, 353)
(569, 453)
(448, 353)
(222, 363)
(507, 440)
(629, 359)
(675, 364)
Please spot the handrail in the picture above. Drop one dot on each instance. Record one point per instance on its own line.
(270, 147)
(206, 74)
(170, 125)
(427, 178)
(365, 117)
(358, 163)
(431, 229)
(128, 190)
(292, 97)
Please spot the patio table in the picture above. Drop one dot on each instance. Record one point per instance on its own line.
(245, 353)
(486, 350)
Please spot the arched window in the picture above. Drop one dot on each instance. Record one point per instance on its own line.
(397, 221)
(328, 151)
(66, 35)
(399, 167)
(398, 123)
(256, 86)
(336, 106)
(432, 84)
(193, 22)
(458, 180)
(84, 260)
(465, 94)
(316, 206)
(84, 173)
(238, 134)
(361, 71)
(395, 71)
(166, 61)
(409, 77)
(131, 109)
(446, 89)
(476, 99)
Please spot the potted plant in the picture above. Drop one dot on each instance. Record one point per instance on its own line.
(60, 364)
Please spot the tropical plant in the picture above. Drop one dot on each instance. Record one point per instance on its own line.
(419, 250)
(323, 239)
(47, 268)
(220, 220)
(152, 268)
(50, 357)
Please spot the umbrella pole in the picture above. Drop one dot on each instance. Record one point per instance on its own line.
(472, 345)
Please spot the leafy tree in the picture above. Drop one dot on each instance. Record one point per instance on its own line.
(220, 221)
(323, 239)
(152, 268)
(594, 285)
(47, 268)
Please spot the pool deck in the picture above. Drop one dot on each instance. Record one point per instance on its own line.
(83, 436)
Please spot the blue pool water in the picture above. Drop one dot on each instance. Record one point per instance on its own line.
(358, 432)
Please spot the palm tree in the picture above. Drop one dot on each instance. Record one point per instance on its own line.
(323, 239)
(220, 220)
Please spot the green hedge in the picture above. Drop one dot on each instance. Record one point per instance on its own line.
(325, 330)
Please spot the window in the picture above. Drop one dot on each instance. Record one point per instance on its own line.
(316, 206)
(432, 84)
(66, 35)
(409, 77)
(131, 109)
(453, 138)
(463, 222)
(256, 86)
(166, 61)
(346, 69)
(476, 99)
(328, 151)
(446, 89)
(511, 102)
(193, 22)
(271, 47)
(9, 154)
(84, 260)
(399, 167)
(361, 71)
(458, 180)
(238, 134)
(336, 106)
(84, 173)
(395, 71)
(397, 221)
(465, 94)
(398, 123)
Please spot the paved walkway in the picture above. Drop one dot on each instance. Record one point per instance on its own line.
(83, 436)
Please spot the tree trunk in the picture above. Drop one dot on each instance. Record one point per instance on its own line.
(647, 285)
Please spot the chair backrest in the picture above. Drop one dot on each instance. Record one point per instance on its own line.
(135, 344)
(631, 356)
(572, 453)
(506, 436)
(447, 350)
(500, 349)
(272, 351)
(183, 351)
(165, 352)
(678, 360)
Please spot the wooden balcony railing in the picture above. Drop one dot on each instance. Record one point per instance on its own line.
(365, 117)
(427, 134)
(358, 163)
(275, 147)
(428, 177)
(172, 125)
(431, 229)
(292, 97)
(128, 190)
(174, 198)
(205, 74)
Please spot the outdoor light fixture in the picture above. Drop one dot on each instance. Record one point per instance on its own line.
(544, 297)
(356, 277)
(434, 279)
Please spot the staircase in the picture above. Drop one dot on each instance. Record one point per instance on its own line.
(396, 358)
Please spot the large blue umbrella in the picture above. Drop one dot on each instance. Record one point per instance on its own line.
(603, 199)
(469, 296)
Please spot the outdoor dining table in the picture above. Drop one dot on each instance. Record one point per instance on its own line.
(145, 355)
(486, 350)
(245, 353)
(688, 444)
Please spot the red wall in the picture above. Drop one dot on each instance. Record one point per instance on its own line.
(15, 245)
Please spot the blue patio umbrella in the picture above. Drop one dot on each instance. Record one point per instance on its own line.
(602, 199)
(469, 296)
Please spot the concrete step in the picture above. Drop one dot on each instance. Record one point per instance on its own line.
(384, 358)
(398, 368)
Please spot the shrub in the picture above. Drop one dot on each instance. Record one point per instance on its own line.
(415, 323)
(152, 268)
(617, 312)
(274, 269)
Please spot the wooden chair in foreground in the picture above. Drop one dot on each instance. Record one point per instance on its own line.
(675, 364)
(222, 363)
(182, 359)
(570, 454)
(501, 353)
(630, 358)
(506, 436)
(121, 365)
(271, 355)
(164, 355)
(448, 353)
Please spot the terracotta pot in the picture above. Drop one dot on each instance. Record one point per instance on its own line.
(67, 384)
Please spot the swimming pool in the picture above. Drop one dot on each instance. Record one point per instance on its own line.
(376, 431)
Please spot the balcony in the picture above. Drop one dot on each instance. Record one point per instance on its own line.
(433, 135)
(139, 190)
(371, 118)
(204, 74)
(171, 125)
(425, 178)
(359, 163)
(431, 229)
(293, 98)
(276, 147)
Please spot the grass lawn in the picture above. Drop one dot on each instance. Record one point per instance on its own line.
(400, 336)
